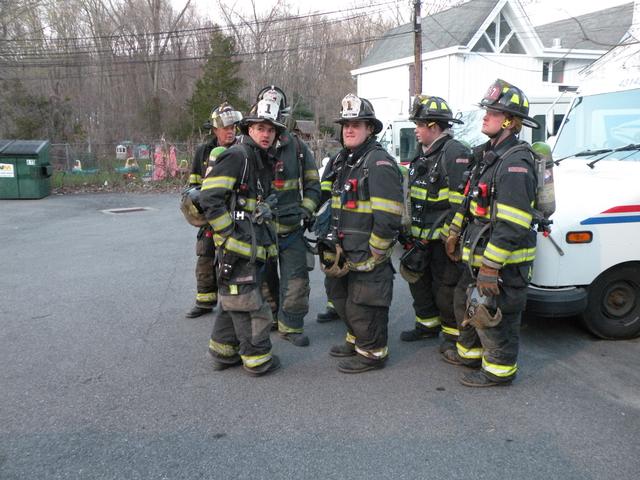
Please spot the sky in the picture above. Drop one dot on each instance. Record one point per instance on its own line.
(539, 11)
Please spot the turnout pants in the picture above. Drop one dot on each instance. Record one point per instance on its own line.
(206, 283)
(433, 293)
(362, 300)
(243, 321)
(496, 347)
(293, 300)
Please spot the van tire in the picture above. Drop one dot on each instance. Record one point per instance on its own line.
(613, 308)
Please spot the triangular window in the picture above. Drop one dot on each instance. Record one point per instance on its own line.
(499, 37)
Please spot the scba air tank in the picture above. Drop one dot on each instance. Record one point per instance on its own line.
(545, 192)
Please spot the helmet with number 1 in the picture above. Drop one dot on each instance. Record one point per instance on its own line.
(224, 116)
(428, 108)
(265, 111)
(357, 108)
(506, 98)
(276, 95)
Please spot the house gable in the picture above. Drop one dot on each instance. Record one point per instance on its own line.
(440, 31)
(506, 29)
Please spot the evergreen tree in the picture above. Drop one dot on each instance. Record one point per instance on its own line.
(220, 80)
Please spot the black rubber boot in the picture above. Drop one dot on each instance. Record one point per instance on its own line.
(265, 368)
(360, 364)
(219, 364)
(418, 334)
(328, 316)
(480, 380)
(447, 345)
(343, 350)
(198, 311)
(452, 357)
(298, 339)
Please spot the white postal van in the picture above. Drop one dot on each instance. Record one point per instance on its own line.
(590, 264)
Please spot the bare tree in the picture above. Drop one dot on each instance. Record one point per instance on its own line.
(102, 71)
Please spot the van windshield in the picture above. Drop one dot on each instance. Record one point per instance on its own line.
(603, 122)
(408, 144)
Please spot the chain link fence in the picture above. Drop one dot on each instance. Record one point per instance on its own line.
(66, 157)
(109, 157)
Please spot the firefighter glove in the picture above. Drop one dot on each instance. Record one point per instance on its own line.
(307, 218)
(487, 281)
(451, 246)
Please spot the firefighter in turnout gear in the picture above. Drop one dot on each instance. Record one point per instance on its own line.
(366, 213)
(238, 202)
(493, 234)
(223, 122)
(297, 187)
(435, 176)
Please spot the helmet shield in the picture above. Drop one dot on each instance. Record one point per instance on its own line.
(263, 111)
(277, 96)
(224, 116)
(353, 107)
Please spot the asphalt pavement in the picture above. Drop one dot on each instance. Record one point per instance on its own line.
(102, 377)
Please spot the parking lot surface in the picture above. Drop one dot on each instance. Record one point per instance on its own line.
(102, 376)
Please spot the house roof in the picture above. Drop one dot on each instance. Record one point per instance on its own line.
(445, 29)
(440, 30)
(306, 127)
(599, 30)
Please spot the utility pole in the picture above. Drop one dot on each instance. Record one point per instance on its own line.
(417, 47)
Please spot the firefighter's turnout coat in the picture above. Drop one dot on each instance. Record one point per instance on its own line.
(206, 284)
(234, 198)
(297, 187)
(240, 178)
(498, 232)
(436, 186)
(435, 179)
(366, 201)
(500, 214)
(201, 161)
(295, 182)
(365, 186)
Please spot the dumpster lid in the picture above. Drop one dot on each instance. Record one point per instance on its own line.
(4, 143)
(22, 147)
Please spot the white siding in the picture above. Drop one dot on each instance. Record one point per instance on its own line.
(388, 91)
(480, 71)
(436, 77)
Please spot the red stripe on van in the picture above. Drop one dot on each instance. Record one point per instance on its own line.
(624, 209)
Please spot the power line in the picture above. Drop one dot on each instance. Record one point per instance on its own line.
(73, 53)
(205, 57)
(226, 27)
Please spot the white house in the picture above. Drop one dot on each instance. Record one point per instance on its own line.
(466, 47)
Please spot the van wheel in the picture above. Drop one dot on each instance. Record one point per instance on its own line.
(613, 308)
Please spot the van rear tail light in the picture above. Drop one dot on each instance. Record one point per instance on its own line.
(579, 237)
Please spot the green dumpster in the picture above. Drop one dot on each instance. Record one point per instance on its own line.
(25, 171)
